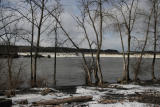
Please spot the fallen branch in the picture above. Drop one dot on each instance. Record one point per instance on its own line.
(110, 101)
(64, 100)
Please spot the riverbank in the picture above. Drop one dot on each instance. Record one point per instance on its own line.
(50, 55)
(113, 95)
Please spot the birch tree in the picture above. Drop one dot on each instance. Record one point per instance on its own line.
(128, 12)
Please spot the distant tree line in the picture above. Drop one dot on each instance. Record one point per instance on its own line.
(3, 49)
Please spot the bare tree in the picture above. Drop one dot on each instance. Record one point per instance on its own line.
(118, 27)
(98, 33)
(32, 38)
(155, 6)
(81, 21)
(9, 37)
(37, 18)
(138, 64)
(9, 41)
(128, 11)
(39, 27)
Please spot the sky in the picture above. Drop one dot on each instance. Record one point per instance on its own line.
(111, 39)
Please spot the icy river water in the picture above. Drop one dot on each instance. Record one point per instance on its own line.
(70, 71)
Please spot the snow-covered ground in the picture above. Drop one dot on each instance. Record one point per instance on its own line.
(124, 104)
(97, 93)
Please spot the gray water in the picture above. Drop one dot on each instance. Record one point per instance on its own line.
(70, 71)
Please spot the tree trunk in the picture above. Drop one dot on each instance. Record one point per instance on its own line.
(155, 36)
(96, 75)
(100, 82)
(87, 73)
(9, 71)
(128, 57)
(100, 44)
(38, 42)
(55, 63)
(153, 66)
(35, 71)
(55, 55)
(124, 58)
(143, 48)
(137, 70)
(31, 68)
(64, 100)
(32, 72)
(9, 62)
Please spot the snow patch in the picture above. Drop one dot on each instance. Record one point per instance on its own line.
(123, 104)
(97, 93)
(92, 91)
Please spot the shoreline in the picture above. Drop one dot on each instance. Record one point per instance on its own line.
(51, 55)
(112, 94)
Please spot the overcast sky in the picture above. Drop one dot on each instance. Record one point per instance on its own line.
(111, 39)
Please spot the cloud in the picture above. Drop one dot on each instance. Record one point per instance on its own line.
(111, 39)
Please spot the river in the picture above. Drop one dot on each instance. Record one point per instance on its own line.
(70, 70)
